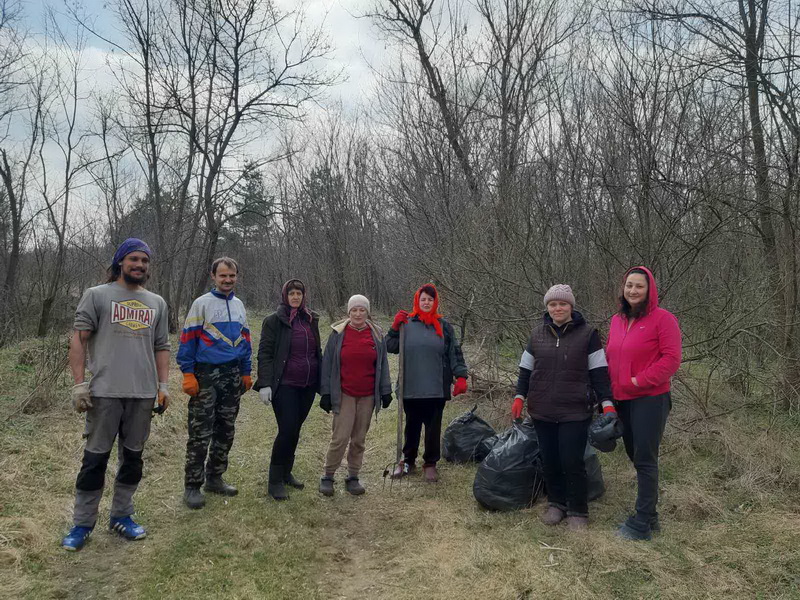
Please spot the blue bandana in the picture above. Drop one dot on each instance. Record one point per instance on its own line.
(128, 246)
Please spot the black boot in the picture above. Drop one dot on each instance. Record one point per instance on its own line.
(275, 487)
(193, 498)
(216, 485)
(290, 479)
(352, 485)
(326, 485)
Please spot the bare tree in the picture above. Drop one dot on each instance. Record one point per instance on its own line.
(61, 128)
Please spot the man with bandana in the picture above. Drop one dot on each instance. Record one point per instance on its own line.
(123, 329)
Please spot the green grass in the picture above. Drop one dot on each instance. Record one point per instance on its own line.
(729, 511)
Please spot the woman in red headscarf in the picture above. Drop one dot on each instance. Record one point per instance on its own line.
(432, 363)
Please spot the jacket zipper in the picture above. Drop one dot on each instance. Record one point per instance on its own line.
(628, 327)
(558, 343)
(308, 362)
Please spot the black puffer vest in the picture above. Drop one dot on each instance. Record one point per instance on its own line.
(559, 383)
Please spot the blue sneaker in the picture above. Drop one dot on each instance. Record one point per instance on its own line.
(76, 538)
(127, 528)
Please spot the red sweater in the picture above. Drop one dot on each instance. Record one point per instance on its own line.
(650, 350)
(358, 362)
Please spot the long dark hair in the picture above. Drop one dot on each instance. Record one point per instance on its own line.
(114, 272)
(625, 307)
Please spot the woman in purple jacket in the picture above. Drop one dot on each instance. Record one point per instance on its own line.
(289, 360)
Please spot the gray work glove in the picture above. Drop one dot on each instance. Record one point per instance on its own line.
(81, 399)
(265, 394)
(162, 400)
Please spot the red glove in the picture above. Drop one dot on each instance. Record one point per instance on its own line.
(247, 381)
(400, 318)
(517, 406)
(608, 407)
(460, 386)
(190, 384)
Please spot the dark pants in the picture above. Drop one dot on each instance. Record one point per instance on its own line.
(562, 446)
(212, 421)
(644, 420)
(291, 406)
(419, 412)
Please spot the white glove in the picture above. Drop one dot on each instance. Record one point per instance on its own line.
(265, 394)
(81, 399)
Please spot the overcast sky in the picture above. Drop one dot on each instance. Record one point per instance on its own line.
(354, 41)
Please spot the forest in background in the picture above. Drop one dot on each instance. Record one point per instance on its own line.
(507, 146)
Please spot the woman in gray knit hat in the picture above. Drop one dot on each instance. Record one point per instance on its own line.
(563, 359)
(355, 385)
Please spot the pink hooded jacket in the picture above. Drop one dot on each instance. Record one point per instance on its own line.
(650, 350)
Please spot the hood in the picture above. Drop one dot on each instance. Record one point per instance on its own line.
(287, 312)
(652, 290)
(577, 318)
(339, 326)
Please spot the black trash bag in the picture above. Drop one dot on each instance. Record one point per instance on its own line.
(465, 438)
(510, 477)
(604, 432)
(594, 474)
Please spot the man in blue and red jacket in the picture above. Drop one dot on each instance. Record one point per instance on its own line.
(214, 357)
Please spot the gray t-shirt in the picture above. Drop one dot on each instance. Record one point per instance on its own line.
(423, 367)
(127, 329)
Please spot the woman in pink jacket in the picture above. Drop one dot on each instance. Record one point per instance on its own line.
(643, 353)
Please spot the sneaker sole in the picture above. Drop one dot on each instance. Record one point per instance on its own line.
(130, 538)
(625, 535)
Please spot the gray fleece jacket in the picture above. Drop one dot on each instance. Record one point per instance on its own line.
(332, 366)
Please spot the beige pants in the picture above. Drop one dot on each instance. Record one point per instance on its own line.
(350, 425)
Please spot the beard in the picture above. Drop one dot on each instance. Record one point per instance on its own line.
(136, 277)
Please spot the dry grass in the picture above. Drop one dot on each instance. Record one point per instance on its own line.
(729, 506)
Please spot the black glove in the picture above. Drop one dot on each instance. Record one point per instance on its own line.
(325, 403)
(386, 400)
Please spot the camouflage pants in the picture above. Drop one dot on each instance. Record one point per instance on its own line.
(212, 418)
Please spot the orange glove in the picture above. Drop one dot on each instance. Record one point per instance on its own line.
(517, 406)
(460, 386)
(247, 381)
(190, 384)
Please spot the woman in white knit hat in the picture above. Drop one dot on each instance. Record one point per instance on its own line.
(563, 360)
(355, 383)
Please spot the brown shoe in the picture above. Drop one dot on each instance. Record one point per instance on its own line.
(431, 475)
(553, 515)
(577, 523)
